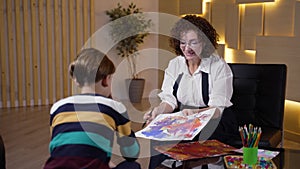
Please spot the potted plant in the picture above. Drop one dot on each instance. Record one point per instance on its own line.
(129, 27)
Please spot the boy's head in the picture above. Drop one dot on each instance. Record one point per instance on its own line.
(90, 66)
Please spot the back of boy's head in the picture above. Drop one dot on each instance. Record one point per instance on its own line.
(91, 66)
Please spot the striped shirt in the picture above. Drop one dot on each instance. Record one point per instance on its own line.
(83, 128)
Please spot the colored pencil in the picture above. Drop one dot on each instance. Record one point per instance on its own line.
(250, 136)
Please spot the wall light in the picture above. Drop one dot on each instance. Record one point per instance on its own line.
(252, 52)
(229, 55)
(252, 1)
(206, 6)
(292, 120)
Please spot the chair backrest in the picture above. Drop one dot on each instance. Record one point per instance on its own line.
(259, 94)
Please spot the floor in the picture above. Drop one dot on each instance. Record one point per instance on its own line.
(25, 132)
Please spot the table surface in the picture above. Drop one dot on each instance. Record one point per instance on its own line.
(286, 159)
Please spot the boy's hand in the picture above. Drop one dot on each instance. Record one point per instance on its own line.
(149, 116)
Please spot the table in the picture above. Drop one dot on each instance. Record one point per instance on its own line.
(286, 159)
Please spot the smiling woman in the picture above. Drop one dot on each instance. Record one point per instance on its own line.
(197, 78)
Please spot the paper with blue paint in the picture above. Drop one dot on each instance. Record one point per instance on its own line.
(176, 126)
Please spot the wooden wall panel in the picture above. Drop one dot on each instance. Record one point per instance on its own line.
(92, 17)
(57, 56)
(11, 54)
(79, 24)
(297, 19)
(86, 21)
(72, 26)
(3, 50)
(34, 43)
(232, 31)
(42, 50)
(190, 7)
(50, 44)
(251, 26)
(169, 6)
(65, 47)
(19, 52)
(279, 18)
(284, 50)
(38, 40)
(207, 11)
(252, 1)
(218, 16)
(27, 52)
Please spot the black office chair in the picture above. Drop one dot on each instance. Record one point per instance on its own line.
(258, 98)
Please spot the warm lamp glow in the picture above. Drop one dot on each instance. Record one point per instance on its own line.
(293, 105)
(235, 56)
(191, 14)
(252, 1)
(272, 5)
(204, 6)
(251, 52)
(253, 4)
(229, 55)
(292, 120)
(256, 3)
(204, 1)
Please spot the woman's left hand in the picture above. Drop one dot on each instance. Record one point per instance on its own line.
(187, 112)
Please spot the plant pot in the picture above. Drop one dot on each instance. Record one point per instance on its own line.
(135, 89)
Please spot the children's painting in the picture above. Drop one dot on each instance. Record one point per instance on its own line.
(176, 126)
(194, 150)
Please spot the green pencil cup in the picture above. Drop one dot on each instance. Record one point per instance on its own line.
(250, 155)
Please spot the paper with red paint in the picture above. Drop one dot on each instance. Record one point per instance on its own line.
(195, 150)
(176, 126)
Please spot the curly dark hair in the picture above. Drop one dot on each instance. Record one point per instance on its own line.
(205, 31)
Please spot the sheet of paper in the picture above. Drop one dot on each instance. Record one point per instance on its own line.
(262, 153)
(195, 150)
(176, 126)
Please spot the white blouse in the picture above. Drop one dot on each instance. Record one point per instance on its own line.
(190, 87)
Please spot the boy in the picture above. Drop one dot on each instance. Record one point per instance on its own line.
(83, 126)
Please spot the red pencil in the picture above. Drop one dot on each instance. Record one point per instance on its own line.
(242, 135)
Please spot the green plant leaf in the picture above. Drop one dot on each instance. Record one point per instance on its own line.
(128, 29)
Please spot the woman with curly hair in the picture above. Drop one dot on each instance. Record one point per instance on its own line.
(197, 79)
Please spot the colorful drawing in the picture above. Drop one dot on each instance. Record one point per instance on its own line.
(195, 150)
(176, 126)
(236, 161)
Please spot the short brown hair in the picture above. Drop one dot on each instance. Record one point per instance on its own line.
(91, 66)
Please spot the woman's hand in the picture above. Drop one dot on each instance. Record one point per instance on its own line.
(187, 112)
